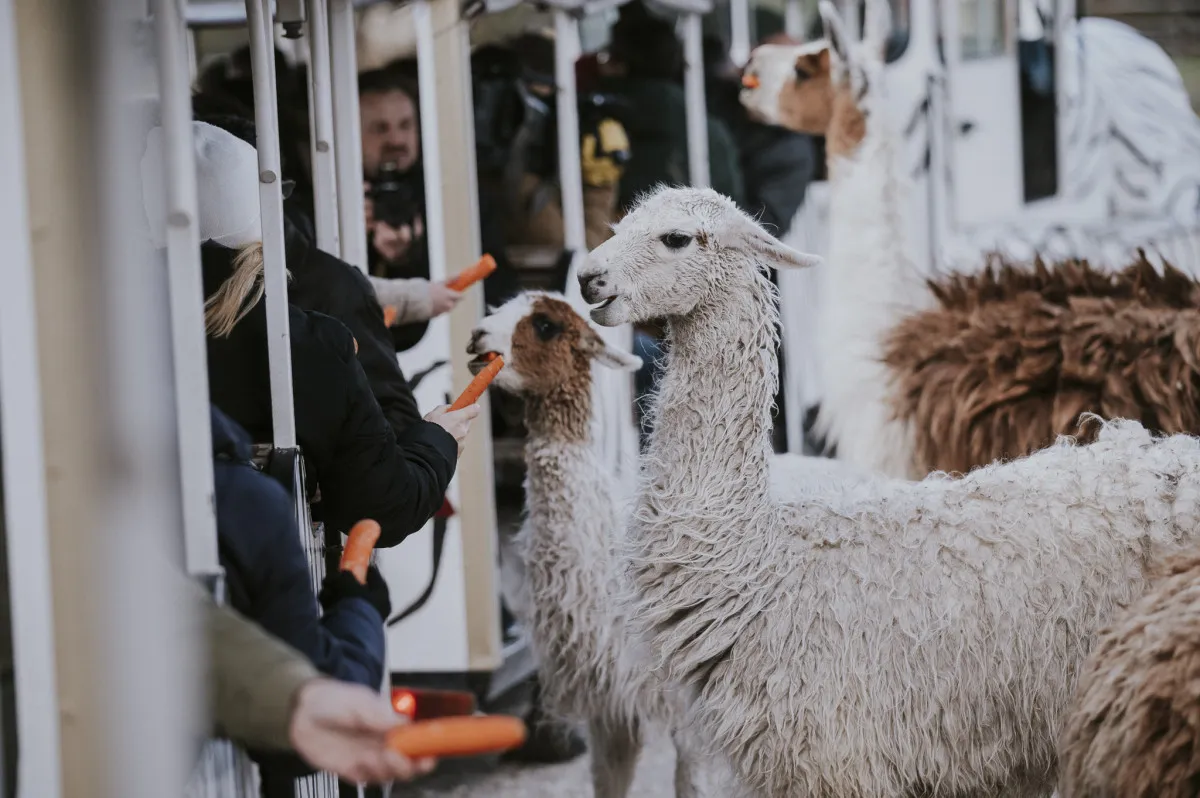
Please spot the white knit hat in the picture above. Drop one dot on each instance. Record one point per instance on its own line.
(226, 187)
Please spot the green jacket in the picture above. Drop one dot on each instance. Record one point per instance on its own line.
(253, 680)
(655, 119)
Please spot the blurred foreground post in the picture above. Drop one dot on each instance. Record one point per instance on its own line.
(126, 661)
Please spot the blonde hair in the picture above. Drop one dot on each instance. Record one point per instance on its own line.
(238, 295)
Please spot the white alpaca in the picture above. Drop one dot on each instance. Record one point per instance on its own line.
(1121, 96)
(561, 571)
(868, 281)
(898, 639)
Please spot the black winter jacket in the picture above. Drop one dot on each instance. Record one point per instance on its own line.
(329, 285)
(362, 469)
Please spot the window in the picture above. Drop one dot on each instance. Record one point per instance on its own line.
(1039, 106)
(981, 28)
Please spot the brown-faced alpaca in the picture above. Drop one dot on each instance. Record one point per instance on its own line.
(920, 376)
(566, 560)
(1134, 730)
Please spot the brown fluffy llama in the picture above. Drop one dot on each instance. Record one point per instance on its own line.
(965, 370)
(1134, 728)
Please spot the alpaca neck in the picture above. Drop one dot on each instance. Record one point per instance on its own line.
(869, 283)
(564, 414)
(712, 414)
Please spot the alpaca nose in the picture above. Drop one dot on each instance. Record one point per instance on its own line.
(473, 346)
(590, 285)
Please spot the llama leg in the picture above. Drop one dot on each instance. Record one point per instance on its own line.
(687, 762)
(615, 748)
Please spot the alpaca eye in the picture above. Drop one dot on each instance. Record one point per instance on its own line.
(801, 75)
(544, 328)
(676, 240)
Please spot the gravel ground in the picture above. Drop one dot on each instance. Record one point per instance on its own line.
(655, 778)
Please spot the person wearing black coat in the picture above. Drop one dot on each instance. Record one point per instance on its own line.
(350, 449)
(267, 580)
(327, 284)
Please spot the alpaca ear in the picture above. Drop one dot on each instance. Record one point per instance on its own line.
(607, 355)
(877, 27)
(835, 31)
(617, 359)
(775, 252)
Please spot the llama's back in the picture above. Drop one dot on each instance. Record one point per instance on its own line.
(930, 632)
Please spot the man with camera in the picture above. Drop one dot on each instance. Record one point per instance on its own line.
(394, 196)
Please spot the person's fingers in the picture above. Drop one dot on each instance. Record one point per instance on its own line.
(405, 234)
(425, 765)
(418, 226)
(470, 411)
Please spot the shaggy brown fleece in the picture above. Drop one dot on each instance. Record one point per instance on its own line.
(1133, 730)
(1010, 358)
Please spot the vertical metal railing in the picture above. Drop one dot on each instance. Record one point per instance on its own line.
(24, 506)
(347, 134)
(320, 109)
(697, 114)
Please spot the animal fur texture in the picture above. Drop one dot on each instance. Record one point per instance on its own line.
(1012, 357)
(894, 639)
(562, 569)
(912, 383)
(1134, 727)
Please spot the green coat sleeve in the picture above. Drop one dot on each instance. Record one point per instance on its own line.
(253, 680)
(724, 169)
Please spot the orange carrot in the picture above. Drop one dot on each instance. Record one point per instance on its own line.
(478, 385)
(468, 277)
(356, 557)
(470, 736)
(750, 81)
(389, 315)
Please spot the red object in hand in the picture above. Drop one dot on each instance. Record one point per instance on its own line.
(446, 510)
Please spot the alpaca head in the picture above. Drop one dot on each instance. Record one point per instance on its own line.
(547, 347)
(677, 250)
(827, 87)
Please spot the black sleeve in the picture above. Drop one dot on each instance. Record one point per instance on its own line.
(369, 473)
(349, 297)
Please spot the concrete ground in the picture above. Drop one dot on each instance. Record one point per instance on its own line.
(655, 778)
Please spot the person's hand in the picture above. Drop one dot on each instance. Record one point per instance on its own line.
(443, 298)
(339, 585)
(457, 422)
(342, 728)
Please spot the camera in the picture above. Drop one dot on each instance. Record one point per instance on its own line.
(395, 199)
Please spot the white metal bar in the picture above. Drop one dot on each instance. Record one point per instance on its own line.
(435, 227)
(347, 133)
(266, 120)
(697, 112)
(793, 20)
(186, 293)
(24, 466)
(570, 170)
(320, 110)
(739, 31)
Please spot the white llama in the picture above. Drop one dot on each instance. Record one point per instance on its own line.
(875, 302)
(897, 639)
(560, 572)
(868, 281)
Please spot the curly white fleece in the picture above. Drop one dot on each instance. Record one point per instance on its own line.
(892, 639)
